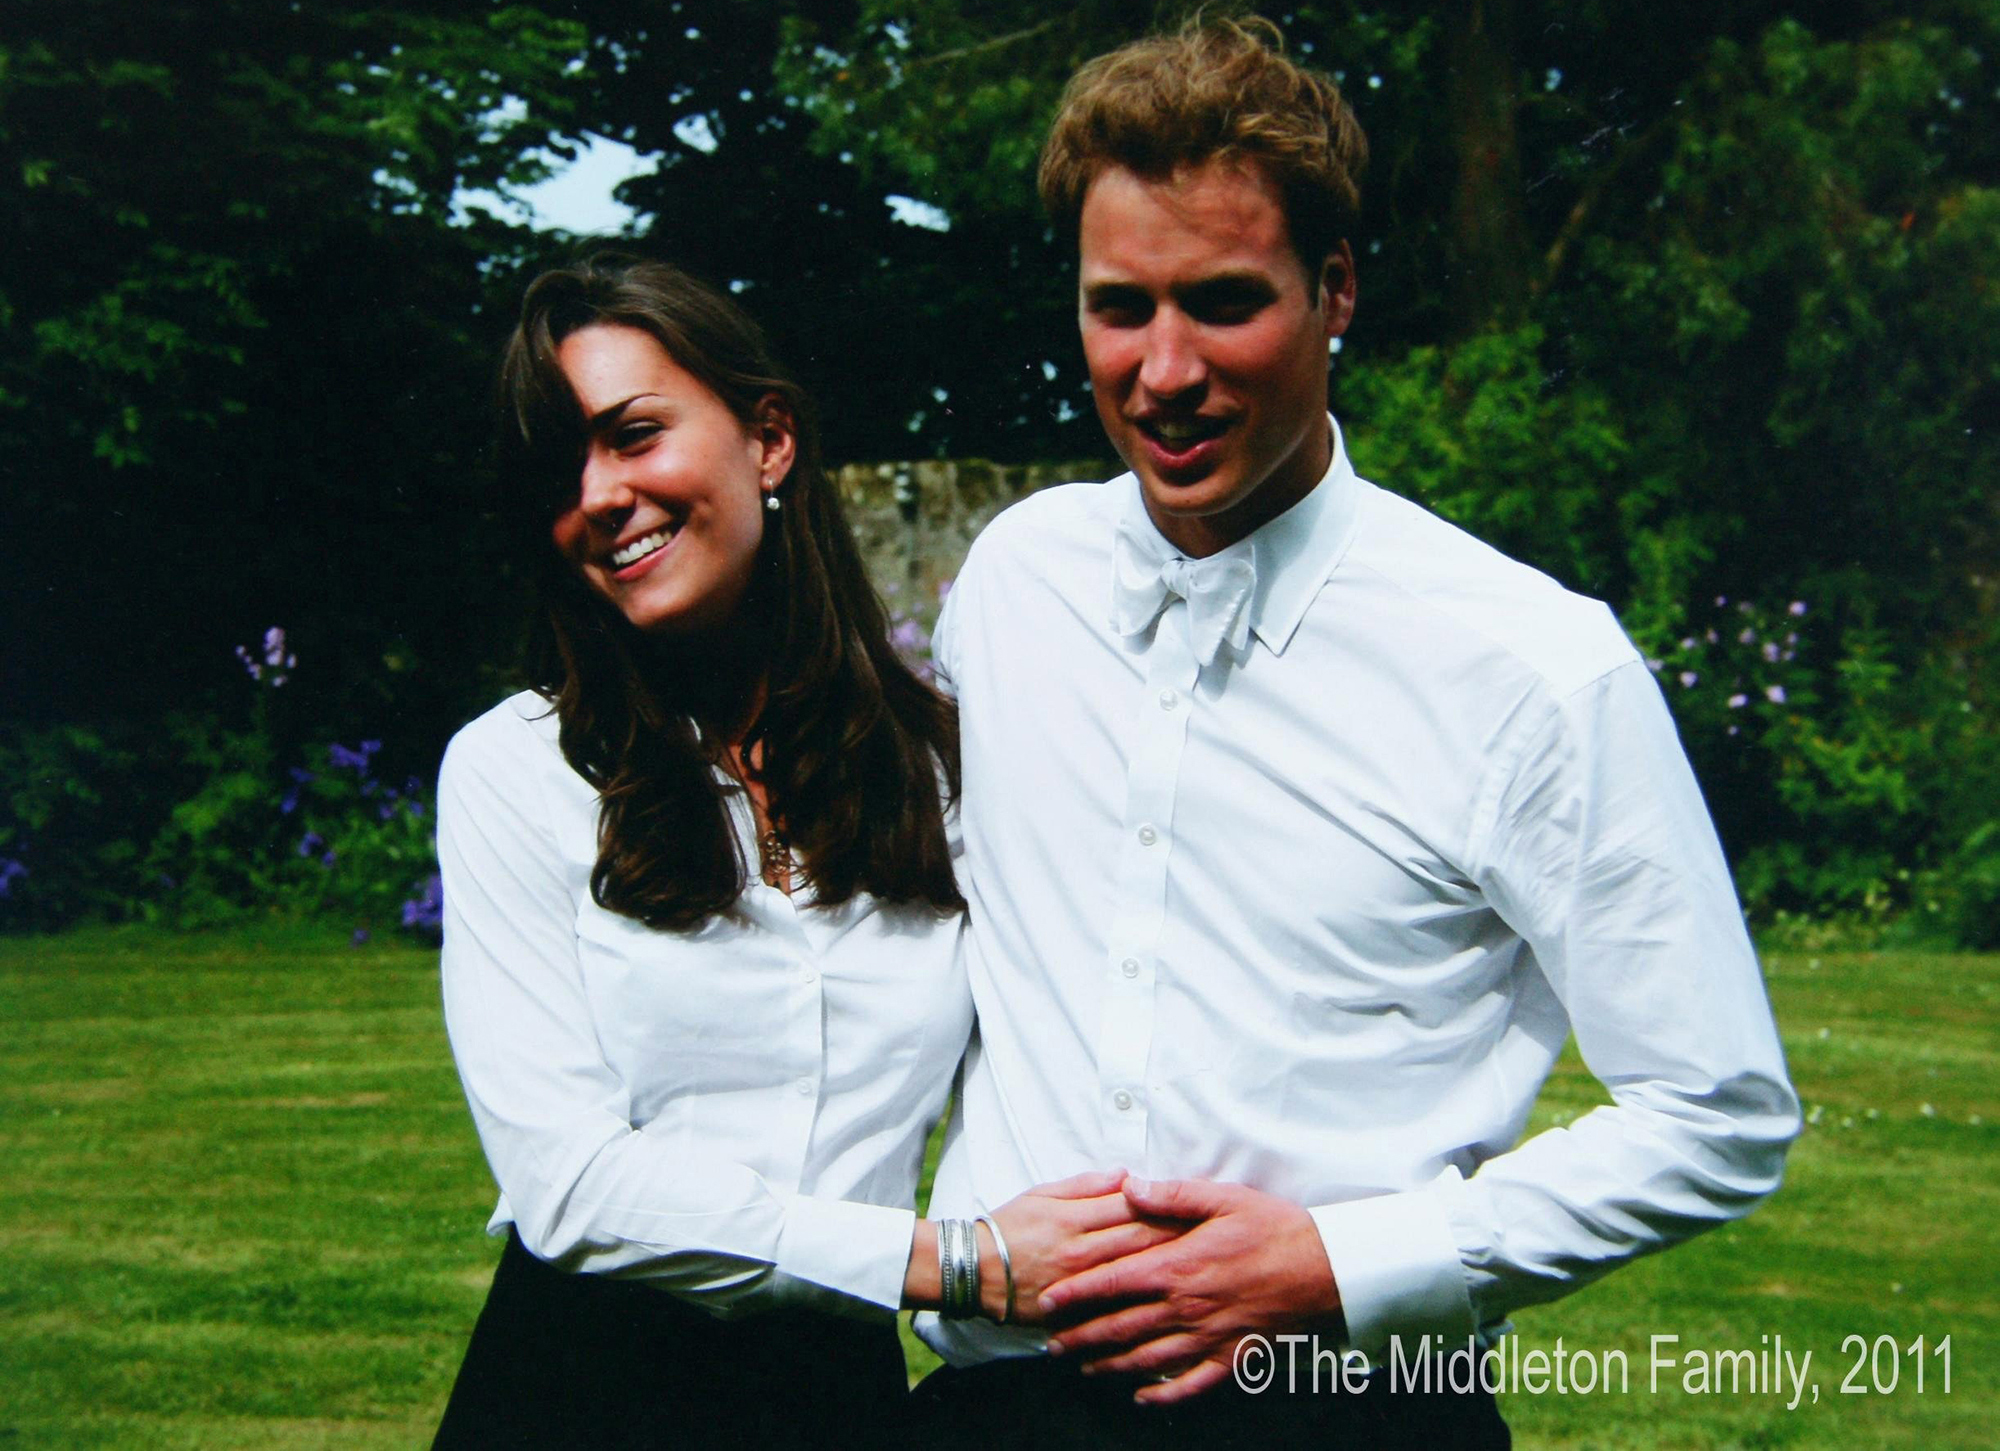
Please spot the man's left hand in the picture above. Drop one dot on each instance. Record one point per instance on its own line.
(1249, 1261)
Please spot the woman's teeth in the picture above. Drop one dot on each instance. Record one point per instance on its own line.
(638, 549)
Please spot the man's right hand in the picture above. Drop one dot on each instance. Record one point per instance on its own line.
(1058, 1230)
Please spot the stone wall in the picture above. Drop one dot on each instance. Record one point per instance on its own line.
(915, 520)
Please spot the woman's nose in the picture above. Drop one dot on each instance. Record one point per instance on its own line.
(605, 492)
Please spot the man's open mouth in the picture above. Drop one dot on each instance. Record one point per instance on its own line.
(1178, 435)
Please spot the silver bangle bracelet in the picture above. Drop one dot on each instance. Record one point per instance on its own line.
(1006, 1264)
(968, 1277)
(947, 1269)
(958, 1267)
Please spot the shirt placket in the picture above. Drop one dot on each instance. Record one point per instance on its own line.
(799, 1054)
(1131, 966)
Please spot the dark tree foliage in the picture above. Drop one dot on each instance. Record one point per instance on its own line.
(1683, 302)
(242, 376)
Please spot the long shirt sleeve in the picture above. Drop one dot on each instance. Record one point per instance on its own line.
(1595, 847)
(1316, 911)
(735, 1113)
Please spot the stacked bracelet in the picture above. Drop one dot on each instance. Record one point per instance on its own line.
(958, 1267)
(1006, 1264)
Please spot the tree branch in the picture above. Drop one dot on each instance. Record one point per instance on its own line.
(994, 44)
(1585, 211)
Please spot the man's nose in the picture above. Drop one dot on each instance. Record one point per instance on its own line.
(1173, 364)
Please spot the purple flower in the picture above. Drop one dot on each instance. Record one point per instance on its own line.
(1710, 637)
(416, 810)
(1721, 600)
(1654, 665)
(1689, 643)
(1771, 651)
(311, 842)
(271, 655)
(1748, 637)
(327, 859)
(908, 637)
(1688, 678)
(360, 936)
(1731, 731)
(386, 810)
(1796, 607)
(1737, 702)
(11, 871)
(944, 588)
(299, 779)
(1775, 694)
(352, 760)
(426, 910)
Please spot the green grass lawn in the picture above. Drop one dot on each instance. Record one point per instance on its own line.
(241, 1205)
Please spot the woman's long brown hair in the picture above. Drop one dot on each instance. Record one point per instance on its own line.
(853, 745)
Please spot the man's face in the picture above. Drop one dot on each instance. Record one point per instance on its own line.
(1207, 345)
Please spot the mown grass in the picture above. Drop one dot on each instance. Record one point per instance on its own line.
(241, 1206)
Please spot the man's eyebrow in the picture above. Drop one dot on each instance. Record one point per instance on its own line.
(1111, 290)
(1220, 286)
(1228, 285)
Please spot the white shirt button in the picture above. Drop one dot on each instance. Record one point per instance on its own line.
(1122, 1099)
(1147, 836)
(1130, 967)
(808, 976)
(804, 1086)
(1169, 699)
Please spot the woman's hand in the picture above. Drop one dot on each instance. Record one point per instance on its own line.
(1058, 1230)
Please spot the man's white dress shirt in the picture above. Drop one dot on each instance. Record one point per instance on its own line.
(736, 1113)
(1317, 916)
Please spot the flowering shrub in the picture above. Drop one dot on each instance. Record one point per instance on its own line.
(363, 846)
(199, 823)
(1830, 782)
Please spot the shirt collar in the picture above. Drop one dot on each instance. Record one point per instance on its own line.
(1295, 553)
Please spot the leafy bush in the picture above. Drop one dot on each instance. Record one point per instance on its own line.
(198, 823)
(69, 846)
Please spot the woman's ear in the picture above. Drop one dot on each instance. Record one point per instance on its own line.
(777, 439)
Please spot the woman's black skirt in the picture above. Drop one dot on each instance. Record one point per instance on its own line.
(560, 1360)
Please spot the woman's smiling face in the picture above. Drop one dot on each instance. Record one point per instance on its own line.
(669, 510)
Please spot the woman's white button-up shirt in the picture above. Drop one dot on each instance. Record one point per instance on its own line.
(736, 1113)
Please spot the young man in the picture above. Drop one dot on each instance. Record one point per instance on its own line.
(1302, 828)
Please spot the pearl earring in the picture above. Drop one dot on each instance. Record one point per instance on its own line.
(771, 498)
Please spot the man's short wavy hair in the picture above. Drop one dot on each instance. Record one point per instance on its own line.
(1216, 90)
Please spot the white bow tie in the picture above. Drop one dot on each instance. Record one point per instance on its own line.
(1217, 591)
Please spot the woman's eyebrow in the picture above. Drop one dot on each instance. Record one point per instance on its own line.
(606, 417)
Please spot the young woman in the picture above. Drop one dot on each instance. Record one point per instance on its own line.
(700, 920)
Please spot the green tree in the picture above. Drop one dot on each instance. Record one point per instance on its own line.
(242, 354)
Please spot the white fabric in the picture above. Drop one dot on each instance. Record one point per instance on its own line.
(1318, 916)
(1147, 575)
(735, 1113)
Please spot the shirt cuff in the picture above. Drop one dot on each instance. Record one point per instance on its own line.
(1396, 1265)
(860, 1250)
